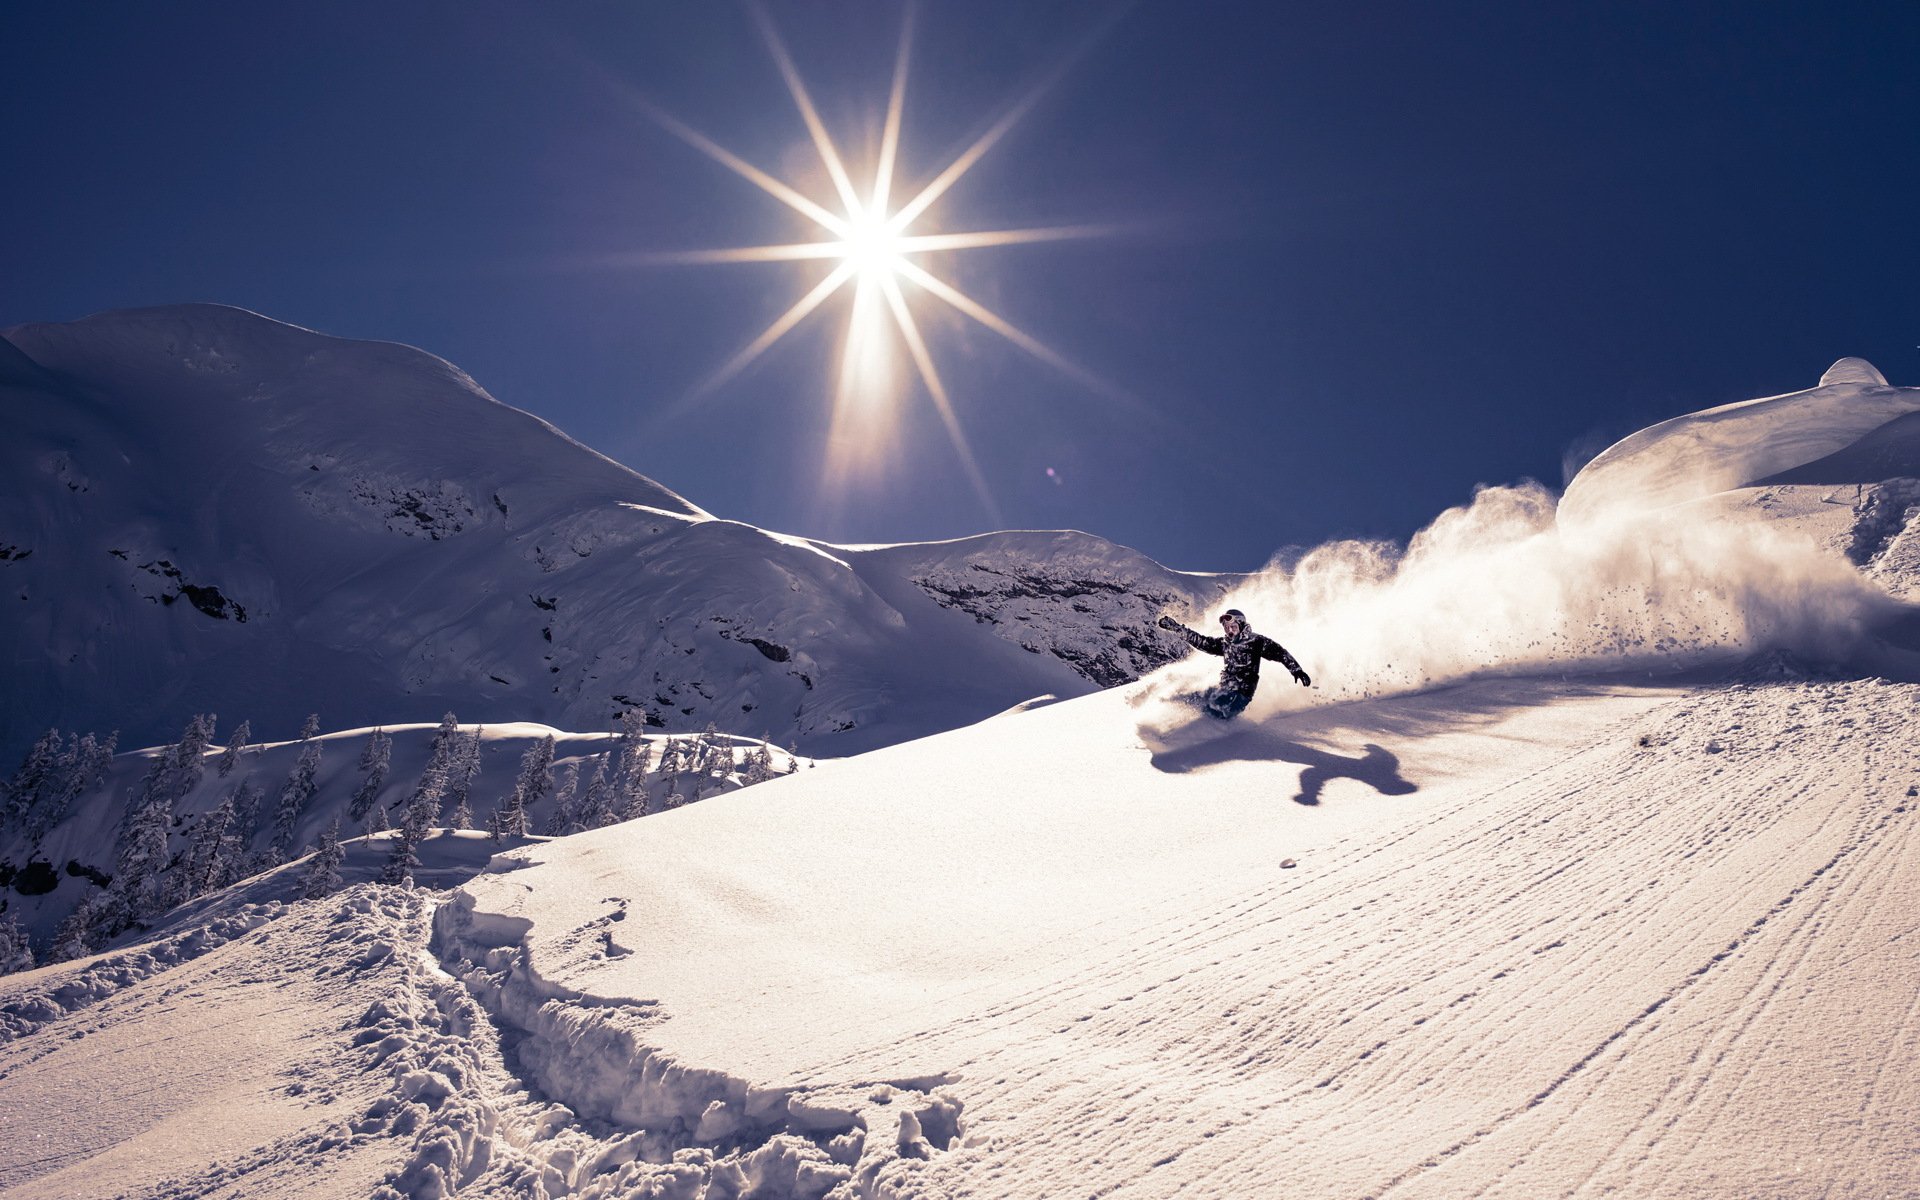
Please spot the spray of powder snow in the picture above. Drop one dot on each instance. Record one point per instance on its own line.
(1499, 587)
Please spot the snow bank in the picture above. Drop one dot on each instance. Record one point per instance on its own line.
(684, 1131)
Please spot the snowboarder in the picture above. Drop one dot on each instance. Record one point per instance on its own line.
(1240, 674)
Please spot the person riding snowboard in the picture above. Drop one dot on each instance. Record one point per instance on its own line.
(1240, 674)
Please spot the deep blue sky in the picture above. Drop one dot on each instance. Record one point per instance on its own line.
(1385, 251)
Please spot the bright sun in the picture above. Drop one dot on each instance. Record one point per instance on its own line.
(872, 247)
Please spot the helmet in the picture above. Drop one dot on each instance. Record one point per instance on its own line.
(1233, 614)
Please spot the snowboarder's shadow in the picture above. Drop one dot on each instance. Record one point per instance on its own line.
(1375, 766)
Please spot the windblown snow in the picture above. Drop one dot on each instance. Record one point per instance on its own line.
(1605, 881)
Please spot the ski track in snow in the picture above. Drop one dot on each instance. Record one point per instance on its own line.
(1269, 1036)
(1669, 960)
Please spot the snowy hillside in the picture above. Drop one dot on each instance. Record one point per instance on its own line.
(1589, 866)
(208, 511)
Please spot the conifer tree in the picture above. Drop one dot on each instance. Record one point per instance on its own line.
(510, 819)
(566, 803)
(759, 764)
(246, 811)
(444, 765)
(140, 877)
(466, 766)
(716, 753)
(23, 790)
(376, 757)
(630, 797)
(236, 746)
(15, 953)
(209, 860)
(322, 877)
(673, 801)
(596, 808)
(297, 791)
(91, 922)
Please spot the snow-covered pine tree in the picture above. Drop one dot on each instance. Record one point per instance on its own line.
(596, 806)
(78, 773)
(140, 876)
(190, 757)
(91, 922)
(322, 876)
(719, 755)
(15, 953)
(297, 791)
(418, 819)
(566, 803)
(246, 811)
(670, 763)
(376, 757)
(207, 861)
(443, 765)
(630, 799)
(445, 738)
(759, 766)
(466, 767)
(510, 819)
(793, 757)
(36, 769)
(674, 801)
(236, 746)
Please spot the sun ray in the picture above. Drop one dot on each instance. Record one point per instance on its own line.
(774, 332)
(793, 252)
(1005, 328)
(896, 106)
(842, 183)
(972, 154)
(917, 350)
(746, 170)
(925, 243)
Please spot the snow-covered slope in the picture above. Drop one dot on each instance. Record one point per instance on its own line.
(1591, 867)
(205, 510)
(1736, 445)
(1515, 938)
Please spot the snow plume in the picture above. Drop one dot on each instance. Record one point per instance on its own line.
(1498, 586)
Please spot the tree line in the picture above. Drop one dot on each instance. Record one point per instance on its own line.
(151, 876)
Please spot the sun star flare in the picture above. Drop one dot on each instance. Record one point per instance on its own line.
(872, 245)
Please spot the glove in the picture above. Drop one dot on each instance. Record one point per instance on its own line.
(1168, 623)
(1300, 677)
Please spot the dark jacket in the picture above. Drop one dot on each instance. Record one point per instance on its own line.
(1241, 672)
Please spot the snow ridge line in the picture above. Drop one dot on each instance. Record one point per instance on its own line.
(32, 1009)
(673, 1125)
(1857, 842)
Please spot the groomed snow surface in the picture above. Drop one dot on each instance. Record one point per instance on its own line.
(1592, 869)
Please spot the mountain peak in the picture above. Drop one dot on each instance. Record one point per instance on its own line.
(1853, 370)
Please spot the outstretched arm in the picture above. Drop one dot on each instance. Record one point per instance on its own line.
(1199, 641)
(1275, 652)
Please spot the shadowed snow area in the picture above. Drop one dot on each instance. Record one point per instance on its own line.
(1591, 866)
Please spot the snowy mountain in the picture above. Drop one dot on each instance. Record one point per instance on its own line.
(208, 511)
(1590, 865)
